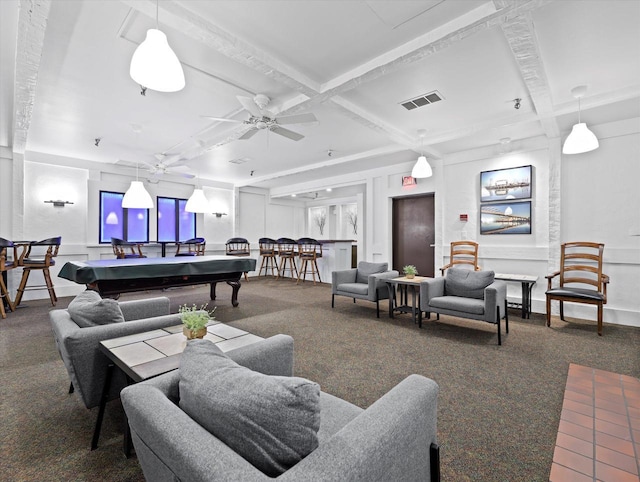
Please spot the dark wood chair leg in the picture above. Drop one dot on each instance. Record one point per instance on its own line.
(23, 283)
(600, 309)
(562, 310)
(506, 317)
(548, 311)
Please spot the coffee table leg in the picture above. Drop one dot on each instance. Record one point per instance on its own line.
(126, 441)
(392, 298)
(103, 403)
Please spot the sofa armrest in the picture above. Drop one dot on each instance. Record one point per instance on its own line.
(147, 308)
(495, 296)
(390, 440)
(378, 288)
(429, 289)
(343, 276)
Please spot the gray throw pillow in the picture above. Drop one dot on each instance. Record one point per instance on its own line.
(89, 309)
(271, 421)
(467, 283)
(365, 269)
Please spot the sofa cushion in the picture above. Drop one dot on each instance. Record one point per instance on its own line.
(365, 269)
(456, 303)
(271, 421)
(467, 283)
(89, 309)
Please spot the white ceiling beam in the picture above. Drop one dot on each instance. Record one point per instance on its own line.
(32, 25)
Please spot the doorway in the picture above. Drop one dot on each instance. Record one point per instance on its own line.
(413, 233)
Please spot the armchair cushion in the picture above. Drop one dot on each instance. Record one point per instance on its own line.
(467, 283)
(271, 421)
(89, 309)
(365, 269)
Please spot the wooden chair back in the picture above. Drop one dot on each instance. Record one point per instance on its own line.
(309, 248)
(191, 247)
(238, 247)
(581, 262)
(463, 253)
(7, 247)
(43, 254)
(124, 249)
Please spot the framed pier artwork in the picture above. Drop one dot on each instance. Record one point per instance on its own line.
(506, 184)
(506, 218)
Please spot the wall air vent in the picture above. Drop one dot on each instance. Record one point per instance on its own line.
(424, 99)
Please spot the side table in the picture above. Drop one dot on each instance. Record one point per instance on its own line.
(527, 282)
(403, 283)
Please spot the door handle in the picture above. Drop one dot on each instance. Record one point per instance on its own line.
(432, 245)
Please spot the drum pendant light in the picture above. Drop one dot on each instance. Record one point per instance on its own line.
(154, 64)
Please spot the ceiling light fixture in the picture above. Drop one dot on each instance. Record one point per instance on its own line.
(137, 196)
(154, 65)
(581, 139)
(197, 203)
(422, 168)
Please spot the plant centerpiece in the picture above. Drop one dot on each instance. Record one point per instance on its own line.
(195, 320)
(410, 271)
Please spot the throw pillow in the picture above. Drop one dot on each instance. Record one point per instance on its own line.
(467, 283)
(365, 269)
(271, 421)
(89, 309)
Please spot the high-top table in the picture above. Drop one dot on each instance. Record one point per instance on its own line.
(115, 276)
(527, 282)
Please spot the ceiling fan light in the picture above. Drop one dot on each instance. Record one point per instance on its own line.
(155, 66)
(422, 168)
(137, 197)
(197, 203)
(580, 140)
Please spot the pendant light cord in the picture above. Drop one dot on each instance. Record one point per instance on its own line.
(578, 110)
(157, 23)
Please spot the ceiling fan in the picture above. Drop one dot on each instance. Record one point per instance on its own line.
(164, 165)
(262, 119)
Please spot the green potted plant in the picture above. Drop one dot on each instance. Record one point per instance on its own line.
(410, 271)
(195, 320)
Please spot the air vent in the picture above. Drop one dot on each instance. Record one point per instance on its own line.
(424, 99)
(239, 160)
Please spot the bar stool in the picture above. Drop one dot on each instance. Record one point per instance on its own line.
(194, 246)
(287, 250)
(120, 249)
(309, 250)
(6, 265)
(268, 252)
(42, 262)
(238, 247)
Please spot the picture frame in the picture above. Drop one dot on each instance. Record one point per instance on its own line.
(505, 218)
(506, 184)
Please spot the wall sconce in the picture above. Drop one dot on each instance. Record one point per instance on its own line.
(58, 203)
(219, 215)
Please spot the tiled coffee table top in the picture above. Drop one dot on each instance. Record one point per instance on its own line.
(148, 354)
(599, 432)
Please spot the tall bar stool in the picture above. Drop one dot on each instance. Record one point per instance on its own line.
(125, 250)
(30, 261)
(191, 247)
(287, 250)
(238, 247)
(268, 250)
(6, 265)
(309, 251)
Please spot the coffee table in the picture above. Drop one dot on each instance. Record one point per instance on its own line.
(146, 355)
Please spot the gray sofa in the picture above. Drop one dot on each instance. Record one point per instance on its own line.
(393, 439)
(79, 347)
(366, 282)
(466, 294)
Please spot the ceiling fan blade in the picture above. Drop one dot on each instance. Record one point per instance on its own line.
(287, 133)
(249, 134)
(249, 105)
(221, 119)
(296, 119)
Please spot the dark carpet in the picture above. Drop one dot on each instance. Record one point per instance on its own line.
(498, 408)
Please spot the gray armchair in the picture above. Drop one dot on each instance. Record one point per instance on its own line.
(393, 439)
(366, 282)
(466, 294)
(79, 347)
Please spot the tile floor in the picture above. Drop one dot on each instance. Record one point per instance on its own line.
(599, 431)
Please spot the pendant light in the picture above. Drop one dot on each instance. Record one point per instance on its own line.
(137, 196)
(581, 139)
(422, 168)
(155, 65)
(197, 203)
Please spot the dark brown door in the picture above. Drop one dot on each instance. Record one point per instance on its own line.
(414, 233)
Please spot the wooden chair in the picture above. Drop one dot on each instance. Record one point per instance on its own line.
(288, 251)
(238, 247)
(309, 250)
(191, 247)
(6, 265)
(124, 249)
(30, 259)
(580, 264)
(463, 253)
(268, 251)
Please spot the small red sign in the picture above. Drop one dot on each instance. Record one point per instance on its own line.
(408, 181)
(464, 217)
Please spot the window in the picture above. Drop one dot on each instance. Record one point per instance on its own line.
(174, 223)
(118, 222)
